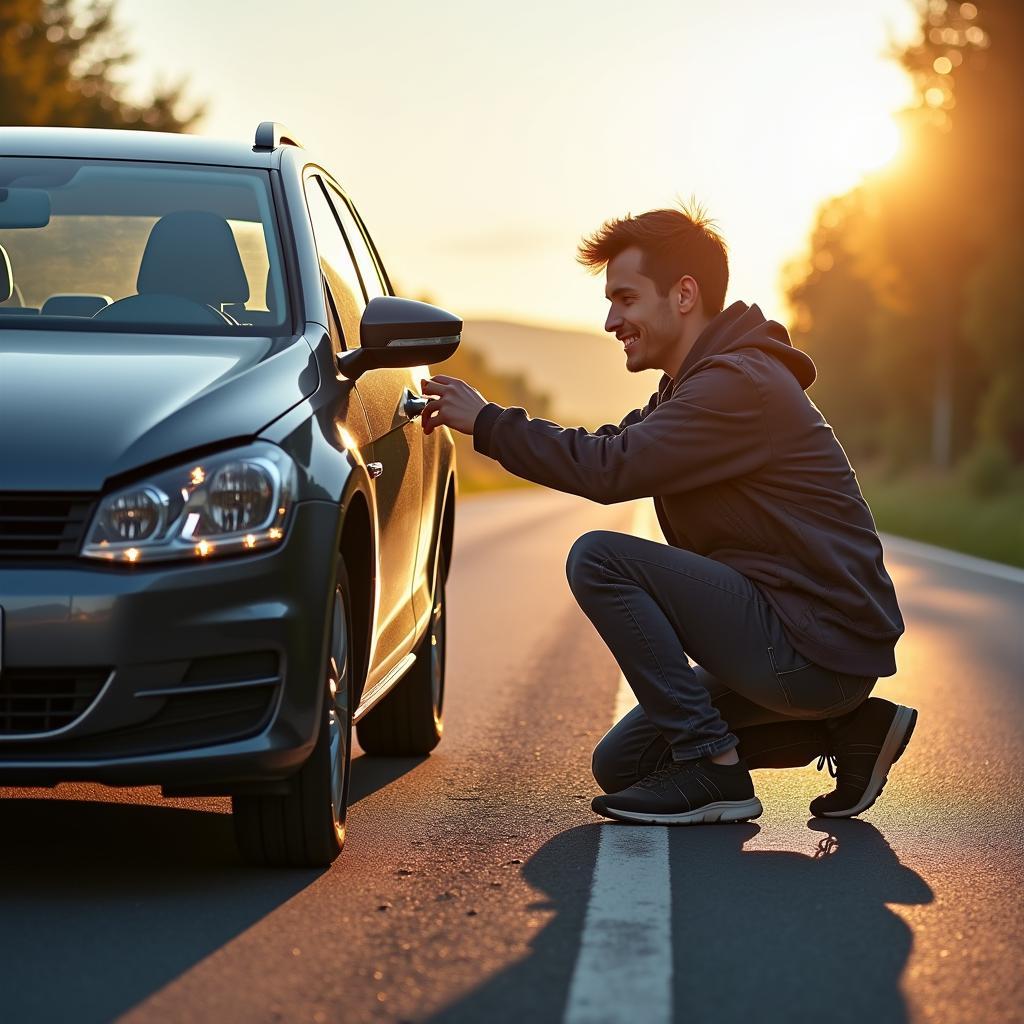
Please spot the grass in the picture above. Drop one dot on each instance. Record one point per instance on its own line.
(940, 509)
(479, 474)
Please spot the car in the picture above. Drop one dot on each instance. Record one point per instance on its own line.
(224, 535)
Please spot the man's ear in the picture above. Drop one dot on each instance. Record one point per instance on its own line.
(689, 294)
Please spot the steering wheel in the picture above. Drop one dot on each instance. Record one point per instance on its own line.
(155, 307)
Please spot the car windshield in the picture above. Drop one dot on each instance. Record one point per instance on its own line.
(120, 245)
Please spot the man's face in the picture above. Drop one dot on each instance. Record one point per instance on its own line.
(648, 324)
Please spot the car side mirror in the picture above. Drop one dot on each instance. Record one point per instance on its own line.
(401, 332)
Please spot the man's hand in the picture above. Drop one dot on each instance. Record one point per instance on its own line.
(455, 404)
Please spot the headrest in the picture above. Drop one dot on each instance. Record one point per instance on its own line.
(74, 305)
(6, 276)
(193, 253)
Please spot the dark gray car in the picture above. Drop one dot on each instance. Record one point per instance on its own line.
(224, 537)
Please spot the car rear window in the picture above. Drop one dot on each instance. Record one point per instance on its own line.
(121, 245)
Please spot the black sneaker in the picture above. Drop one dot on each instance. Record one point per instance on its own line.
(685, 793)
(864, 749)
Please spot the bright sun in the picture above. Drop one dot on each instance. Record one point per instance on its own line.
(865, 145)
(881, 144)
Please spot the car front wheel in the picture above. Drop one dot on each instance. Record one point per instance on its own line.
(306, 826)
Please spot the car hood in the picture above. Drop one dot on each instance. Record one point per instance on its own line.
(79, 409)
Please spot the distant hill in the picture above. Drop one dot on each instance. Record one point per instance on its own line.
(583, 374)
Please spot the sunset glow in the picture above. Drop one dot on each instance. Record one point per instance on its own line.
(872, 145)
(553, 118)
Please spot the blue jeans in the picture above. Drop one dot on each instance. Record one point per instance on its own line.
(656, 606)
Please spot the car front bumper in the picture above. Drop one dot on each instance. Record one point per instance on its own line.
(184, 675)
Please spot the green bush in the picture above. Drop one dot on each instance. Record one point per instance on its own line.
(988, 470)
(941, 509)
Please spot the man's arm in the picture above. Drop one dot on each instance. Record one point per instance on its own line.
(711, 429)
(490, 412)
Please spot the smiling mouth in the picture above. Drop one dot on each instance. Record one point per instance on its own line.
(629, 341)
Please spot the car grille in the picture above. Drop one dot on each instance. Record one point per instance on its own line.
(43, 525)
(185, 720)
(43, 700)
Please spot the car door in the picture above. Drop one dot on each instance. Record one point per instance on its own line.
(376, 282)
(396, 442)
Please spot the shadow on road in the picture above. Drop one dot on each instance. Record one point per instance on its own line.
(779, 936)
(102, 904)
(534, 989)
(761, 936)
(370, 774)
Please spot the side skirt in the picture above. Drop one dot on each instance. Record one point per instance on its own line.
(374, 696)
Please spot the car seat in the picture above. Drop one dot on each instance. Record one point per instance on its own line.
(190, 268)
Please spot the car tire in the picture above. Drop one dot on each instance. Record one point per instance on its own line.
(408, 721)
(305, 828)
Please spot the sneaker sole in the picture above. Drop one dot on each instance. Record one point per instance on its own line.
(720, 811)
(896, 740)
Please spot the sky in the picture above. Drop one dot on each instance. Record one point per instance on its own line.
(481, 141)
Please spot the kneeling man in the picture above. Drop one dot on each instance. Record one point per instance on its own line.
(772, 580)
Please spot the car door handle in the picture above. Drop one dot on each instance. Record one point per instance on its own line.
(413, 404)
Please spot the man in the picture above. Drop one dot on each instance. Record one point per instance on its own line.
(772, 580)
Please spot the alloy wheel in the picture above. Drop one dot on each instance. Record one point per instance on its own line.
(339, 713)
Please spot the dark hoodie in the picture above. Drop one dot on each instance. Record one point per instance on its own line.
(743, 469)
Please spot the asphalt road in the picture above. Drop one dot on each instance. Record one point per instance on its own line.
(463, 892)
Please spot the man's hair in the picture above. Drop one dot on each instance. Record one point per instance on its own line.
(674, 243)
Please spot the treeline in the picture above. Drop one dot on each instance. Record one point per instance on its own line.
(477, 472)
(911, 301)
(60, 62)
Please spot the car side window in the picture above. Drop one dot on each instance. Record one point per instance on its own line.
(336, 263)
(367, 267)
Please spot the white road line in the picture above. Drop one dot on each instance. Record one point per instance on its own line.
(624, 967)
(903, 545)
(625, 701)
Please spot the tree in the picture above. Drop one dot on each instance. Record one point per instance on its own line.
(930, 264)
(58, 66)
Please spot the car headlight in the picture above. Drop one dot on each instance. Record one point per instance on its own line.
(228, 503)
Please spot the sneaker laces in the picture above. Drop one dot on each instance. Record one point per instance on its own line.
(660, 774)
(827, 759)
